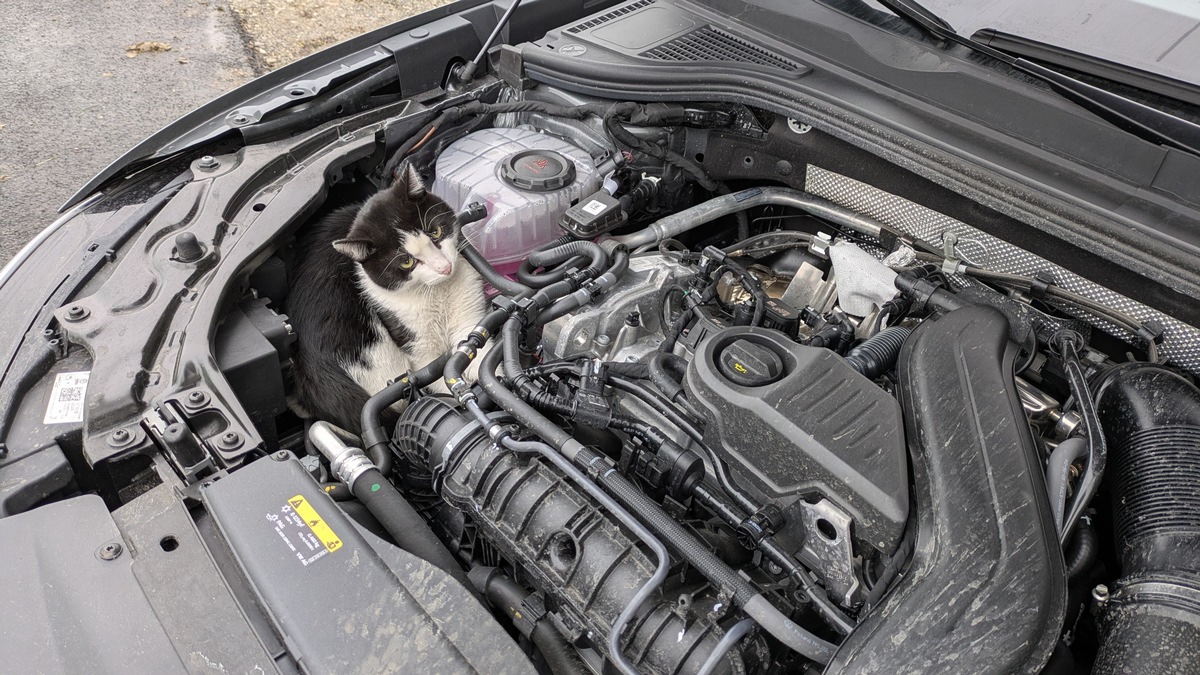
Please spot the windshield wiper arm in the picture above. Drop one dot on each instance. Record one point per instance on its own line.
(1138, 119)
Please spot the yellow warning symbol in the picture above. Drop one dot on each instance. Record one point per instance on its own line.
(318, 526)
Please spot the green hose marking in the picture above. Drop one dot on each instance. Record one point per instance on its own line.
(374, 487)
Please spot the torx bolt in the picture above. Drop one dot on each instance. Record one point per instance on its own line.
(110, 551)
(281, 456)
(120, 435)
(76, 313)
(208, 163)
(241, 119)
(231, 439)
(196, 397)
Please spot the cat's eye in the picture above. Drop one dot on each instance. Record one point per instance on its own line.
(436, 232)
(407, 262)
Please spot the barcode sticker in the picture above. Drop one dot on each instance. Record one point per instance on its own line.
(66, 398)
(594, 207)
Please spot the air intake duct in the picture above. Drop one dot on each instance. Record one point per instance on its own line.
(1151, 417)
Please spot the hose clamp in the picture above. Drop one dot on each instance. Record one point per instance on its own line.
(348, 467)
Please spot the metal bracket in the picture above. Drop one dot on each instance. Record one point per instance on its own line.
(827, 550)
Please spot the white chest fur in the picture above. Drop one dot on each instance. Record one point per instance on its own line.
(437, 316)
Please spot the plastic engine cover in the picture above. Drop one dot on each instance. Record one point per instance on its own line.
(523, 211)
(797, 421)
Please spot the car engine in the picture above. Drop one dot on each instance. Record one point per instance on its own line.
(736, 411)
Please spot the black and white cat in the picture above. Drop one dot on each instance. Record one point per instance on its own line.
(380, 290)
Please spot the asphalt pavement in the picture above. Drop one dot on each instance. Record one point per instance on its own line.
(73, 98)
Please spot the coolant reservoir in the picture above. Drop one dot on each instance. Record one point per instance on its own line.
(526, 180)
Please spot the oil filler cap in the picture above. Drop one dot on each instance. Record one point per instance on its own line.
(749, 364)
(537, 170)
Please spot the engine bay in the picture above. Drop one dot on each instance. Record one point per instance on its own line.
(735, 413)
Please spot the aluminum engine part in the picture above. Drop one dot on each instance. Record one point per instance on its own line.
(604, 328)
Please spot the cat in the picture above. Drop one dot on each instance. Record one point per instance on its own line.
(379, 290)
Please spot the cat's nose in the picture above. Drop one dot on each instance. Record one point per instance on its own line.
(441, 266)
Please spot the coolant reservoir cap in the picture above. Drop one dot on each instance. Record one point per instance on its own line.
(749, 364)
(537, 170)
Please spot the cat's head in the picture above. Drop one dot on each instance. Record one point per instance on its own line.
(403, 235)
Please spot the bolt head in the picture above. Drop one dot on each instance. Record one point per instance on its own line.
(110, 551)
(208, 163)
(603, 340)
(241, 119)
(76, 313)
(1100, 593)
(281, 456)
(120, 434)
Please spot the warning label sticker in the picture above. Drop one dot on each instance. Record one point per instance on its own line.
(66, 398)
(304, 531)
(594, 207)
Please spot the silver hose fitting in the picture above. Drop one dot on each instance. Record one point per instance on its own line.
(346, 463)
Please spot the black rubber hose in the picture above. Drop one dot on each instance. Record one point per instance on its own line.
(497, 280)
(522, 411)
(666, 372)
(1068, 342)
(404, 524)
(564, 252)
(528, 275)
(877, 354)
(374, 437)
(568, 304)
(338, 492)
(509, 597)
(1085, 546)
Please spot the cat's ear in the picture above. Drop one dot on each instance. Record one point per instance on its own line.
(357, 250)
(409, 182)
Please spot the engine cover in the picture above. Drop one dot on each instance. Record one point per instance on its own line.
(797, 422)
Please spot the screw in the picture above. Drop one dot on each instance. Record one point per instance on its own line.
(603, 340)
(110, 551)
(208, 163)
(196, 399)
(119, 437)
(230, 440)
(1100, 594)
(76, 313)
(281, 456)
(241, 119)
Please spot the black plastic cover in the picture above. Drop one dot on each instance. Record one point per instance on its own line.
(819, 428)
(593, 216)
(65, 608)
(337, 603)
(985, 591)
